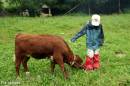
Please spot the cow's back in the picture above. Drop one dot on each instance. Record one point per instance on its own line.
(40, 44)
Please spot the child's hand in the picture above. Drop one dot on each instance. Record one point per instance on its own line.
(73, 40)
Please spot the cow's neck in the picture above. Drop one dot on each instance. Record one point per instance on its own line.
(71, 59)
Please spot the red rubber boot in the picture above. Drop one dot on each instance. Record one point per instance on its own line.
(88, 65)
(96, 63)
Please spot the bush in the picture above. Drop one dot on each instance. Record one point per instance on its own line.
(13, 10)
(127, 10)
(1, 6)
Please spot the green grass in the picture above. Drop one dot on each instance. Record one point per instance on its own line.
(114, 71)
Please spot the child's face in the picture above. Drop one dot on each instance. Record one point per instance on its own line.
(95, 20)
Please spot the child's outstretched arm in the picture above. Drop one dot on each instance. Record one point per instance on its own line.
(101, 36)
(79, 34)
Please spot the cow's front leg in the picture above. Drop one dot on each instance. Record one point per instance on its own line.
(63, 70)
(52, 66)
(59, 60)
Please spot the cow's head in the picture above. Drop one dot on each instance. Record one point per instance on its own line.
(77, 62)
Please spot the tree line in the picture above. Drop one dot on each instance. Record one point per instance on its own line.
(69, 6)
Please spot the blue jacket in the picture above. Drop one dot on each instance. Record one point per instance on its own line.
(94, 36)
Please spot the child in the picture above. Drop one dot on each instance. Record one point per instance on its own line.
(95, 38)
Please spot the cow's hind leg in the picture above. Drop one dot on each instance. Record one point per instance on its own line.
(24, 62)
(18, 61)
(59, 60)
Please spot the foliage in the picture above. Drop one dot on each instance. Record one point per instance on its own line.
(1, 5)
(62, 6)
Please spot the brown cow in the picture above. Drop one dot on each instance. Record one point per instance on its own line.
(41, 46)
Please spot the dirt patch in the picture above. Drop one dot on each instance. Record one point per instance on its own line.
(120, 53)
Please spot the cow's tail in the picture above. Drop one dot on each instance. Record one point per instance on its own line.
(15, 45)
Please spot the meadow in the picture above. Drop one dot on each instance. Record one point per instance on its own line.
(115, 54)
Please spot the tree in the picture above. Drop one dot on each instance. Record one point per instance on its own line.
(1, 5)
(62, 6)
(119, 6)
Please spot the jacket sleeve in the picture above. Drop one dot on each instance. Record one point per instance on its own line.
(79, 34)
(101, 37)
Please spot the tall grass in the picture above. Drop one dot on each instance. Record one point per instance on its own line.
(114, 71)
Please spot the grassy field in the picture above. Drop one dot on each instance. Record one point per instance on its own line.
(115, 59)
